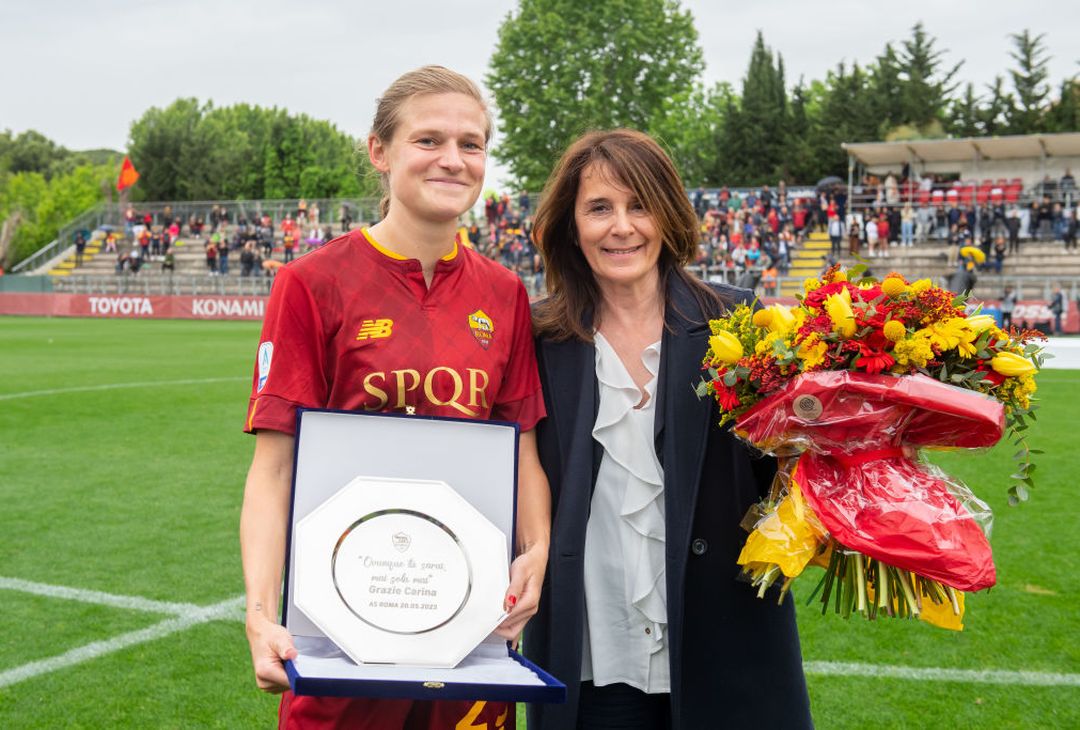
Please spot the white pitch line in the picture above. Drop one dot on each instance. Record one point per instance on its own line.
(135, 603)
(942, 674)
(224, 610)
(117, 386)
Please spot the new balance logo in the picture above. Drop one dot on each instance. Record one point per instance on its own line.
(373, 329)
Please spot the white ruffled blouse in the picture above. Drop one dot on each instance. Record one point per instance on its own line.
(625, 590)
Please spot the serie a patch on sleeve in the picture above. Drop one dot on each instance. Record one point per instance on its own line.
(266, 354)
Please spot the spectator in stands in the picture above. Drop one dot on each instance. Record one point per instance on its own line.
(222, 247)
(892, 190)
(80, 247)
(301, 210)
(999, 253)
(1012, 225)
(1067, 187)
(247, 259)
(836, 235)
(1057, 307)
(211, 258)
(144, 243)
(110, 242)
(174, 230)
(766, 198)
(781, 194)
(883, 231)
(346, 218)
(907, 225)
(288, 243)
(313, 213)
(871, 236)
(1045, 217)
(854, 242)
(1008, 306)
(1070, 229)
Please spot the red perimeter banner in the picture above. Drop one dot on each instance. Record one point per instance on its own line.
(133, 306)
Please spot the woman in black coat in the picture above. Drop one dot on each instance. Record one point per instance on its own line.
(616, 228)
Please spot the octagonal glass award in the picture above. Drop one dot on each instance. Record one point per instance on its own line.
(401, 571)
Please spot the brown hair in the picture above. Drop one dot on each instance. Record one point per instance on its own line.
(421, 81)
(636, 161)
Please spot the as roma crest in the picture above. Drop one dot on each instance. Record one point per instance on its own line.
(482, 328)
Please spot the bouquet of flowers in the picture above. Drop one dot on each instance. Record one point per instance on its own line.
(844, 389)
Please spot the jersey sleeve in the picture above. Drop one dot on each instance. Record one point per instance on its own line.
(290, 366)
(519, 398)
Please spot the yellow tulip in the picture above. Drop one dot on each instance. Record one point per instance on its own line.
(1012, 365)
(980, 322)
(921, 285)
(762, 318)
(840, 312)
(726, 347)
(781, 319)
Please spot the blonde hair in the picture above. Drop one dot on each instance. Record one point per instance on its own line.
(419, 82)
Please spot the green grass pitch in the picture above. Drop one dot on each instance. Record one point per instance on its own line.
(136, 490)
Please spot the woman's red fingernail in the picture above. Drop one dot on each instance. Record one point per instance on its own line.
(512, 600)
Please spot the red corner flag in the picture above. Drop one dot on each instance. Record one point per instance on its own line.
(128, 175)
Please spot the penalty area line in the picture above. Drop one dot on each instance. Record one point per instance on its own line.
(134, 603)
(942, 674)
(225, 610)
(118, 386)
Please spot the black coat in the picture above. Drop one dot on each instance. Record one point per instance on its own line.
(735, 658)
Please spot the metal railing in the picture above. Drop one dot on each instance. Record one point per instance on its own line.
(165, 285)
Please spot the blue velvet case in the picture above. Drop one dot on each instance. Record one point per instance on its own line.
(334, 446)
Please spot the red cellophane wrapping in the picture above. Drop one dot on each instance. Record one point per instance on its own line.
(852, 429)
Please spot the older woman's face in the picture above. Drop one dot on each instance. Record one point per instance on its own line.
(618, 237)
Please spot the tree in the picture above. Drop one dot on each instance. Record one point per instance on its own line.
(886, 87)
(30, 151)
(757, 127)
(687, 125)
(561, 67)
(1029, 81)
(1064, 114)
(925, 86)
(846, 115)
(191, 151)
(965, 114)
(993, 116)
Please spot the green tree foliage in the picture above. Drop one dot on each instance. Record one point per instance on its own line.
(754, 140)
(561, 67)
(46, 204)
(926, 86)
(687, 125)
(845, 114)
(1064, 114)
(1029, 79)
(193, 151)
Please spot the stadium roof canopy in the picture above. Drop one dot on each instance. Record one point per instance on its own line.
(1028, 146)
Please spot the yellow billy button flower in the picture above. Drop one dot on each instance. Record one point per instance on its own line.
(1012, 365)
(980, 322)
(894, 330)
(893, 286)
(840, 312)
(810, 284)
(726, 347)
(762, 318)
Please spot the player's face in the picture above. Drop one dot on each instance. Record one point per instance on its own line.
(436, 158)
(618, 237)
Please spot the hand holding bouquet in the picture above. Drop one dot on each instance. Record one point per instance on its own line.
(845, 388)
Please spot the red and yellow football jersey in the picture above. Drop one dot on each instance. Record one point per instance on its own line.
(355, 327)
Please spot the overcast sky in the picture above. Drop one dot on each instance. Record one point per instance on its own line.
(80, 72)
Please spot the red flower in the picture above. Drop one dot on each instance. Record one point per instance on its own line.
(875, 363)
(725, 396)
(994, 377)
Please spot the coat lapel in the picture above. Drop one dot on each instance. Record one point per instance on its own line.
(570, 381)
(683, 429)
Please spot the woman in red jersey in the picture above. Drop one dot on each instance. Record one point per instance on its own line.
(384, 319)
